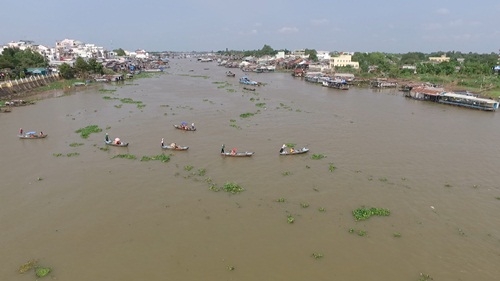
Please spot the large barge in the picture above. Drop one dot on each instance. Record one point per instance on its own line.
(464, 99)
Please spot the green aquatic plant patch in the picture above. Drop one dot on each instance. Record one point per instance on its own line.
(317, 255)
(160, 157)
(246, 115)
(27, 266)
(317, 156)
(41, 271)
(85, 132)
(124, 156)
(75, 144)
(331, 167)
(365, 213)
(232, 187)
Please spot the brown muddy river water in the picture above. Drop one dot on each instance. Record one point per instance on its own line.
(90, 216)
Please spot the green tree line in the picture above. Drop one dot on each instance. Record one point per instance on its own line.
(14, 62)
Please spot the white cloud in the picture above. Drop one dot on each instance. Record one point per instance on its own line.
(288, 30)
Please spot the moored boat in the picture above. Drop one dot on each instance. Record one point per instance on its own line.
(230, 74)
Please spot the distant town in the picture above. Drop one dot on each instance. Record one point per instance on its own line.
(437, 76)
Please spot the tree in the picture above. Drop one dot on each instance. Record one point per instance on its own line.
(119, 52)
(81, 67)
(313, 54)
(66, 71)
(95, 67)
(17, 60)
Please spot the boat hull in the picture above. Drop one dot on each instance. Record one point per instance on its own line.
(298, 151)
(123, 144)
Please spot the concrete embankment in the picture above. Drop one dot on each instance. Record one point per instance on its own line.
(20, 87)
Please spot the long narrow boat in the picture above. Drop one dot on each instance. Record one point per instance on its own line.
(173, 146)
(233, 152)
(32, 136)
(169, 147)
(238, 154)
(121, 144)
(295, 151)
(185, 128)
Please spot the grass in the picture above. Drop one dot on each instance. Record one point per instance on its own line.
(85, 132)
(290, 219)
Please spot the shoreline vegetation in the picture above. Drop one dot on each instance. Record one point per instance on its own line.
(65, 85)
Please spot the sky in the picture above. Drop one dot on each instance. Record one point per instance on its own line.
(392, 26)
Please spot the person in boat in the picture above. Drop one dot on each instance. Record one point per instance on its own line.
(106, 138)
(117, 141)
(283, 148)
(174, 145)
(292, 150)
(41, 133)
(162, 144)
(222, 149)
(192, 126)
(21, 131)
(233, 151)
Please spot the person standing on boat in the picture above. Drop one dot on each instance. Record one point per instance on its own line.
(21, 131)
(192, 126)
(106, 138)
(283, 148)
(222, 149)
(162, 142)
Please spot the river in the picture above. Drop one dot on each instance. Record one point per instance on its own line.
(69, 203)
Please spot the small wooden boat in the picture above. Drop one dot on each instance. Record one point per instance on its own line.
(234, 153)
(32, 135)
(292, 151)
(249, 89)
(173, 146)
(238, 154)
(116, 142)
(120, 144)
(185, 128)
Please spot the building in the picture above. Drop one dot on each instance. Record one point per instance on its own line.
(442, 58)
(343, 60)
